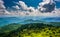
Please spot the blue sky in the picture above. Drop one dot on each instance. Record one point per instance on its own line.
(33, 3)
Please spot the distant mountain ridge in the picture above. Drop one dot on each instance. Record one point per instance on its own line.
(21, 20)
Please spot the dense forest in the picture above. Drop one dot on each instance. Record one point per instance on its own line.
(30, 30)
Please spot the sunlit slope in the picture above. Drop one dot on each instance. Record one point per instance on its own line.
(35, 30)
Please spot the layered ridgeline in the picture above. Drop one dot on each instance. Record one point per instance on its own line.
(30, 30)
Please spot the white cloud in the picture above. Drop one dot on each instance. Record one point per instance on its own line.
(2, 8)
(36, 12)
(1, 4)
(31, 11)
(23, 5)
(46, 6)
(16, 7)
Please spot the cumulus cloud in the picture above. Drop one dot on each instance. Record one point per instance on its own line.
(31, 11)
(1, 4)
(16, 7)
(2, 8)
(23, 5)
(46, 6)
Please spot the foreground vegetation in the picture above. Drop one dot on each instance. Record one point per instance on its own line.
(31, 30)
